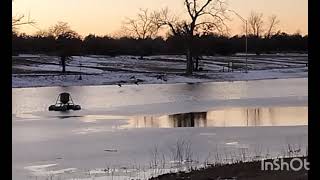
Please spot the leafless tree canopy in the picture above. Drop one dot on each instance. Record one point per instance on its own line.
(255, 23)
(273, 22)
(164, 17)
(141, 27)
(206, 16)
(20, 20)
(62, 30)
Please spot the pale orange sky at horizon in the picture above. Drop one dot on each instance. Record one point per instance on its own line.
(104, 17)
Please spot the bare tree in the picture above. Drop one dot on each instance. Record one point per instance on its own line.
(19, 20)
(62, 30)
(273, 22)
(141, 28)
(63, 33)
(255, 21)
(204, 16)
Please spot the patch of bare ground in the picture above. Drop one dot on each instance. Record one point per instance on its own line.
(239, 171)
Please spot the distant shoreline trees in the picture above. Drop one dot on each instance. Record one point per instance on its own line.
(209, 44)
(140, 37)
(202, 31)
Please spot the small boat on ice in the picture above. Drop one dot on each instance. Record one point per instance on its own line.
(64, 103)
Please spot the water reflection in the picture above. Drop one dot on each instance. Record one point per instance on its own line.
(189, 119)
(233, 117)
(267, 116)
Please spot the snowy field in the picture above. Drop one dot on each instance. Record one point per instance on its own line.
(41, 70)
(133, 132)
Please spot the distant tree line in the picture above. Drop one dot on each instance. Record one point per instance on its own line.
(210, 44)
(203, 31)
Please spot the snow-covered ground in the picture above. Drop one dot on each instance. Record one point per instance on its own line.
(42, 70)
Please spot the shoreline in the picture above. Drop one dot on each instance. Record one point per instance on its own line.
(241, 170)
(170, 83)
(44, 71)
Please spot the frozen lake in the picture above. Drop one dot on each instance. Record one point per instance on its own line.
(132, 128)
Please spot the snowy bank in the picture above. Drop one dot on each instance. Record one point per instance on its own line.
(43, 71)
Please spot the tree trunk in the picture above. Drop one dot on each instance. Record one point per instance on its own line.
(197, 64)
(189, 62)
(63, 64)
(190, 45)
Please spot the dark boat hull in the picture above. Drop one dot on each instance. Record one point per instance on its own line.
(64, 108)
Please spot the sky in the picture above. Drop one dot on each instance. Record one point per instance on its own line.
(104, 17)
